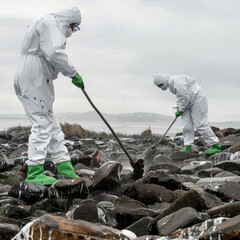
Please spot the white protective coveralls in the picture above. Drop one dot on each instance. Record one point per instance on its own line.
(191, 100)
(43, 56)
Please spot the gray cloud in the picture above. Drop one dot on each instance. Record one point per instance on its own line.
(122, 44)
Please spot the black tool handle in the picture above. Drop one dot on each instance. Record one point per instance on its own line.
(166, 132)
(114, 134)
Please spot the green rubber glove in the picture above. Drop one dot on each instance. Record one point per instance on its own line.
(77, 81)
(178, 113)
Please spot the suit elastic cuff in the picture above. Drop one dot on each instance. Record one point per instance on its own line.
(73, 74)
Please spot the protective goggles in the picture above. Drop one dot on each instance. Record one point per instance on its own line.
(75, 27)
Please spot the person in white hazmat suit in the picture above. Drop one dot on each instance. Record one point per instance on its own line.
(43, 56)
(192, 106)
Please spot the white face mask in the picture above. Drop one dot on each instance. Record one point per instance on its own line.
(68, 32)
(164, 87)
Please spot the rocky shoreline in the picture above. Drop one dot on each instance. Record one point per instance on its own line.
(180, 196)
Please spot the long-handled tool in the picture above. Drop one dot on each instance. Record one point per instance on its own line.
(153, 147)
(138, 165)
(163, 136)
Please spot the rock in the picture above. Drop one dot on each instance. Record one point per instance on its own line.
(180, 156)
(51, 205)
(228, 210)
(4, 188)
(164, 150)
(117, 199)
(171, 182)
(20, 160)
(10, 201)
(101, 196)
(226, 230)
(195, 149)
(103, 158)
(152, 237)
(80, 166)
(159, 207)
(159, 158)
(146, 133)
(196, 166)
(211, 200)
(28, 191)
(13, 179)
(190, 199)
(39, 213)
(151, 193)
(215, 129)
(225, 174)
(66, 188)
(5, 136)
(148, 154)
(106, 214)
(129, 211)
(180, 219)
(9, 220)
(15, 211)
(235, 147)
(107, 176)
(55, 227)
(229, 165)
(114, 156)
(236, 131)
(171, 167)
(226, 188)
(213, 182)
(209, 172)
(219, 157)
(183, 178)
(141, 227)
(85, 173)
(190, 185)
(201, 165)
(88, 141)
(227, 191)
(219, 134)
(5, 162)
(126, 176)
(8, 231)
(86, 210)
(15, 139)
(225, 132)
(190, 170)
(195, 231)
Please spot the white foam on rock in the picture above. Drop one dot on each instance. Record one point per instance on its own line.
(25, 232)
(129, 234)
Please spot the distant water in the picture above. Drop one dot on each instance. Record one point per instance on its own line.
(97, 125)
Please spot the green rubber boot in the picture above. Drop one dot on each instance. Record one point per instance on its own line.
(213, 149)
(35, 174)
(187, 149)
(66, 168)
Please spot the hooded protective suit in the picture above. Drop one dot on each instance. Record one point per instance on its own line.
(43, 56)
(191, 100)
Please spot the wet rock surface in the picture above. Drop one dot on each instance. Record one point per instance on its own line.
(179, 195)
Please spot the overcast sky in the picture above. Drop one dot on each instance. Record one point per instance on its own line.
(120, 46)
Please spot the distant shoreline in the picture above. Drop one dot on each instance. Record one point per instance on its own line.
(129, 123)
